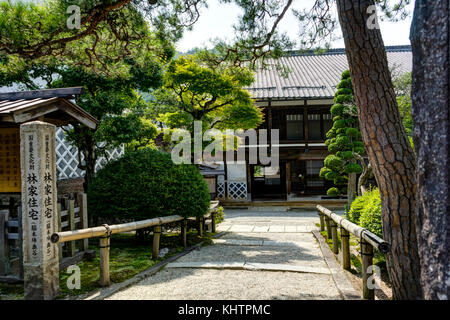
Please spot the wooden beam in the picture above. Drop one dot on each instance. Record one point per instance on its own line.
(27, 115)
(43, 94)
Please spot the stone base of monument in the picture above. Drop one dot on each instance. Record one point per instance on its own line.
(41, 281)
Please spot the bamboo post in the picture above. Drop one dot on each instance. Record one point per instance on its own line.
(345, 240)
(183, 232)
(156, 238)
(322, 221)
(200, 227)
(213, 222)
(71, 222)
(82, 204)
(20, 241)
(367, 261)
(327, 224)
(104, 261)
(60, 251)
(4, 248)
(334, 236)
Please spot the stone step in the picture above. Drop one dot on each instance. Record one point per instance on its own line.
(262, 229)
(273, 243)
(249, 266)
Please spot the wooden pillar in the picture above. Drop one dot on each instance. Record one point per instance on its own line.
(328, 225)
(322, 221)
(345, 243)
(82, 204)
(156, 238)
(334, 236)
(20, 241)
(71, 225)
(183, 232)
(249, 177)
(225, 169)
(367, 261)
(269, 121)
(288, 178)
(60, 250)
(213, 222)
(305, 123)
(4, 247)
(104, 261)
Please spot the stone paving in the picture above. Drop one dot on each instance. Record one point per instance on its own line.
(262, 254)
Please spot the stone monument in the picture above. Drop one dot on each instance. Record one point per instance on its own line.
(39, 210)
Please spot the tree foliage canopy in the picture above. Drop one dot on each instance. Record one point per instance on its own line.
(214, 95)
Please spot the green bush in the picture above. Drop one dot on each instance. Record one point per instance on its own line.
(366, 211)
(333, 192)
(145, 184)
(371, 214)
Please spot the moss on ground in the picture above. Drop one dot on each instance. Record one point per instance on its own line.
(128, 257)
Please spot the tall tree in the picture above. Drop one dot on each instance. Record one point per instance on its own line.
(430, 38)
(387, 146)
(110, 85)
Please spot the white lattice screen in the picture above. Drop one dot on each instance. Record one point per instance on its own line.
(67, 158)
(237, 190)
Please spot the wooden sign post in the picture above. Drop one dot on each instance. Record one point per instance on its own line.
(39, 210)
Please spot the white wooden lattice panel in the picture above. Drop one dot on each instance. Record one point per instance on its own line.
(237, 190)
(221, 190)
(67, 158)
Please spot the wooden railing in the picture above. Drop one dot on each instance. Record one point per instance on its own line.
(105, 231)
(368, 240)
(72, 215)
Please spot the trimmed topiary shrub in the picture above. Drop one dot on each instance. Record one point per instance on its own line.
(344, 141)
(145, 184)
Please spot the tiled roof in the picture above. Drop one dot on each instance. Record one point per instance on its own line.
(316, 76)
(14, 105)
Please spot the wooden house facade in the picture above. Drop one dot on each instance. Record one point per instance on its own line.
(299, 107)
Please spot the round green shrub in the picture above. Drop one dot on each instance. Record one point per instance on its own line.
(355, 210)
(331, 134)
(331, 175)
(351, 132)
(343, 91)
(358, 144)
(353, 168)
(333, 191)
(343, 98)
(336, 109)
(324, 171)
(333, 162)
(346, 155)
(345, 83)
(145, 184)
(371, 213)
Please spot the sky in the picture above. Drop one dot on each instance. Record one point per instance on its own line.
(217, 20)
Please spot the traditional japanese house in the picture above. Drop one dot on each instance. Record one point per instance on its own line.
(299, 107)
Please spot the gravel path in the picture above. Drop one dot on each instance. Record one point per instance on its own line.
(272, 239)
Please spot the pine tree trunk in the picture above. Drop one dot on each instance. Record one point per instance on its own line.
(387, 146)
(430, 107)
